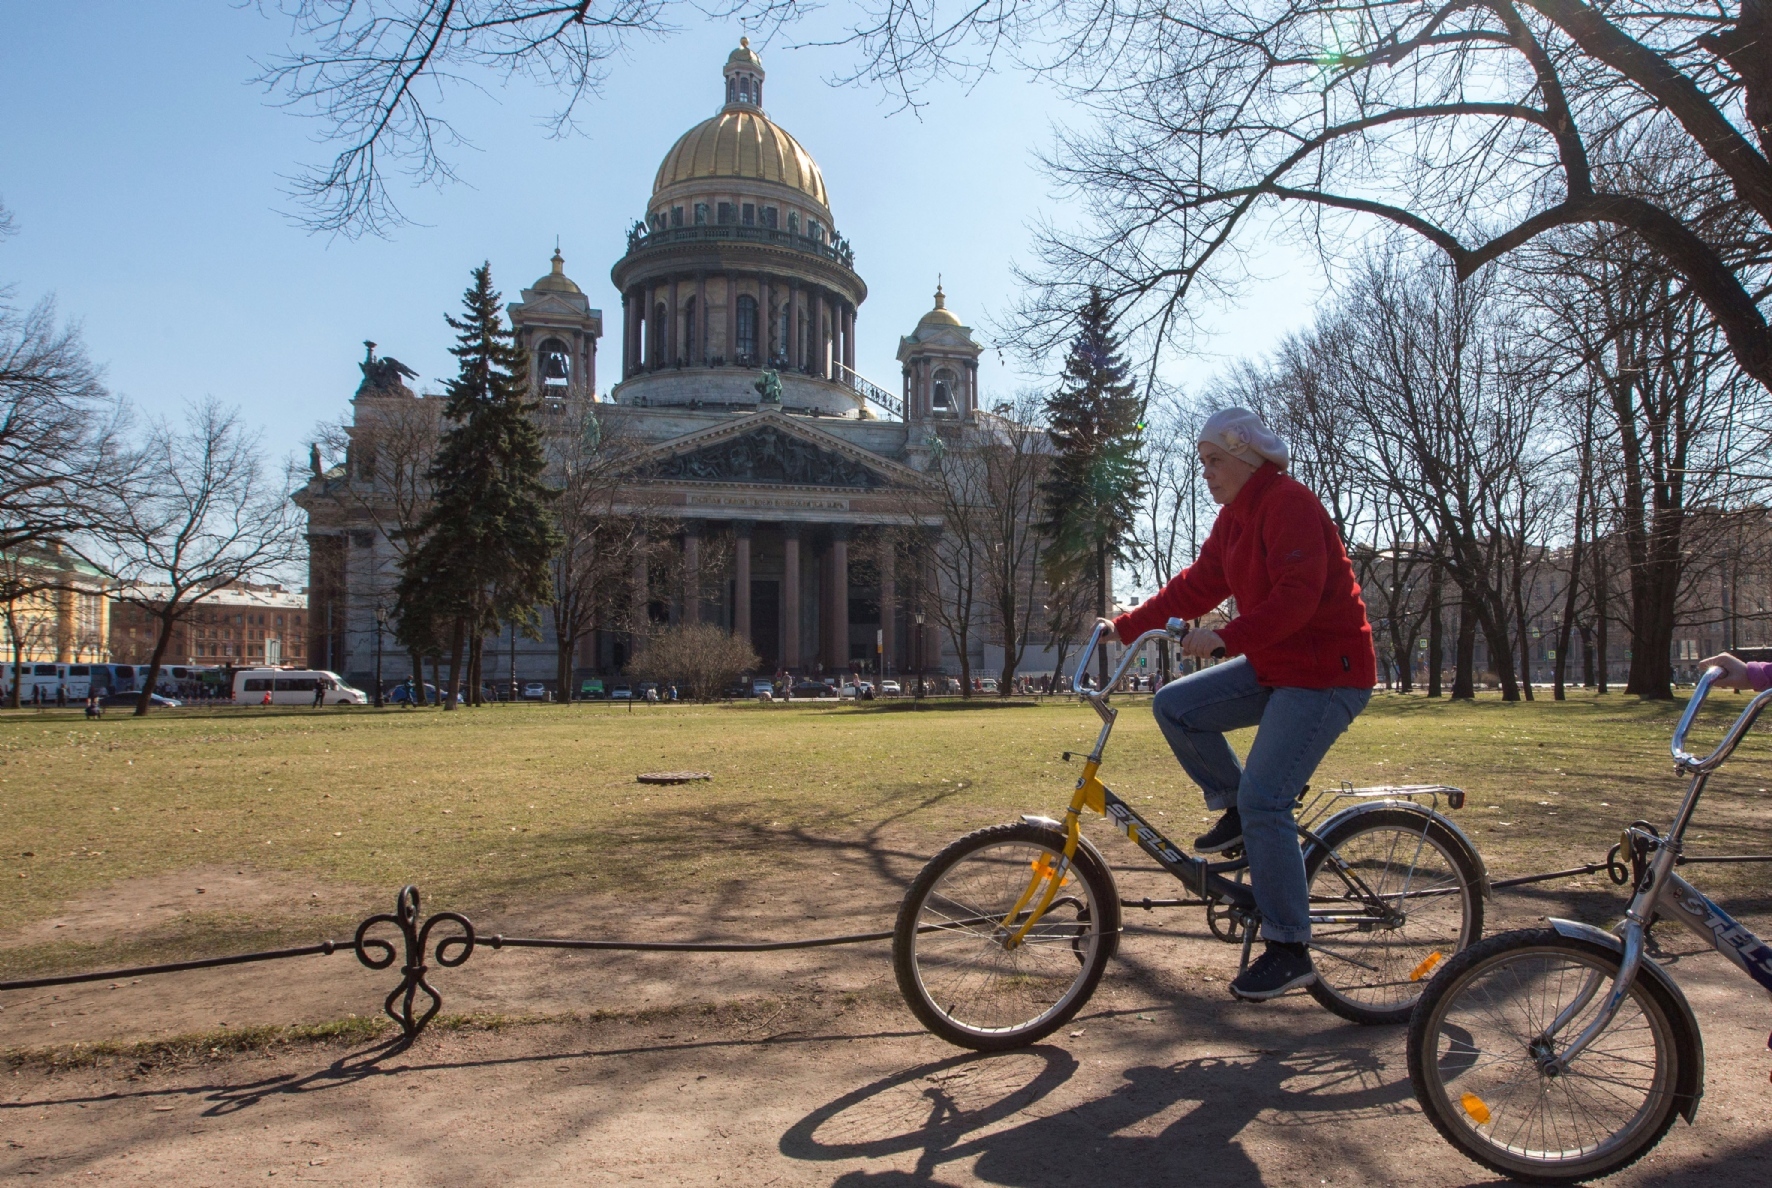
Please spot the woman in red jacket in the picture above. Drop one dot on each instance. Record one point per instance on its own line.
(1303, 670)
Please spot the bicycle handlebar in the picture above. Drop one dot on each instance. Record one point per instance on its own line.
(1175, 629)
(1731, 739)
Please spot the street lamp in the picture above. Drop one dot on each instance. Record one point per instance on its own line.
(919, 655)
(381, 623)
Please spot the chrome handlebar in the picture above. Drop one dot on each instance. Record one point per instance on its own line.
(1731, 739)
(1175, 629)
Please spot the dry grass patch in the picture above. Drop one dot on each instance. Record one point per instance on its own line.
(513, 805)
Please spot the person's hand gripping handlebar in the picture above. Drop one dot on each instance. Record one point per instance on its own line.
(1199, 643)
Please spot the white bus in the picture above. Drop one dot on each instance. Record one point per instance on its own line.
(293, 686)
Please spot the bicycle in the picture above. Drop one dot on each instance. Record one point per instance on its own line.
(1005, 934)
(1522, 1064)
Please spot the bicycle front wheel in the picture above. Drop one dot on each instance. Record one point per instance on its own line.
(1478, 1059)
(1394, 894)
(958, 965)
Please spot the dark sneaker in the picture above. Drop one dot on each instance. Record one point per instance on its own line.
(1225, 835)
(1281, 968)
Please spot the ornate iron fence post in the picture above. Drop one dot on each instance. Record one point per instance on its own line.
(377, 953)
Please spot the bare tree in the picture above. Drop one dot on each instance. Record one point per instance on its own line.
(374, 76)
(205, 516)
(1667, 403)
(1010, 454)
(61, 433)
(703, 656)
(956, 553)
(1441, 427)
(589, 463)
(1475, 127)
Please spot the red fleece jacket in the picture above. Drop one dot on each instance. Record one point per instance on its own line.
(1301, 620)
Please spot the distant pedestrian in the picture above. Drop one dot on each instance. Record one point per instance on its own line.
(266, 700)
(37, 696)
(61, 696)
(320, 692)
(95, 708)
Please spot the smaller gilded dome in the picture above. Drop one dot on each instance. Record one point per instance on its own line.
(744, 55)
(941, 314)
(556, 281)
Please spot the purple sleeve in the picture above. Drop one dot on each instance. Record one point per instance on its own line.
(1759, 675)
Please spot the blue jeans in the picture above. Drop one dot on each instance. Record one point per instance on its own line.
(1296, 729)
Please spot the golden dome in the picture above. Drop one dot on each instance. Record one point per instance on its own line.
(742, 143)
(941, 314)
(556, 281)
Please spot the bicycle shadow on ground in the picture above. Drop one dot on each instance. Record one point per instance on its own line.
(1163, 1124)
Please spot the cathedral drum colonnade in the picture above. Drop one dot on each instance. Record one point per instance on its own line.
(782, 471)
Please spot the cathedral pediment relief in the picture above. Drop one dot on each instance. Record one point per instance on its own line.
(768, 455)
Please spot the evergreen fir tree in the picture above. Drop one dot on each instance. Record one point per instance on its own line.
(488, 536)
(1095, 484)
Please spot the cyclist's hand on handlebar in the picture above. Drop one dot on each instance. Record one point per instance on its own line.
(1201, 644)
(1734, 671)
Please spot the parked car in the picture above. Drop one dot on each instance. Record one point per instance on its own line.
(402, 694)
(762, 687)
(592, 690)
(128, 700)
(988, 685)
(811, 689)
(535, 691)
(621, 693)
(891, 689)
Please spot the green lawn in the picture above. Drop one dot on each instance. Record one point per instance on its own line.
(490, 808)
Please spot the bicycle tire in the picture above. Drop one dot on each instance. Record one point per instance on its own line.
(1473, 1115)
(947, 940)
(1375, 975)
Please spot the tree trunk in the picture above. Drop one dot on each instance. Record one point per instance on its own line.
(458, 640)
(14, 697)
(418, 677)
(1654, 598)
(1436, 629)
(1464, 681)
(564, 646)
(1401, 654)
(1566, 630)
(146, 699)
(1601, 612)
(1587, 656)
(1525, 631)
(476, 653)
(1492, 617)
(1104, 607)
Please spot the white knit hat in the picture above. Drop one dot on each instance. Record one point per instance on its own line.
(1241, 434)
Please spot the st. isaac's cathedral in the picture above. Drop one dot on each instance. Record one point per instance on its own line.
(776, 466)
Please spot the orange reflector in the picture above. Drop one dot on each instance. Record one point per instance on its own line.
(1473, 1105)
(1426, 967)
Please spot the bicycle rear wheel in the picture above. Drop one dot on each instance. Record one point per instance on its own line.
(1474, 1051)
(1393, 895)
(956, 972)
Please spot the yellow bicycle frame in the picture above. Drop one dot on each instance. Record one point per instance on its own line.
(1090, 794)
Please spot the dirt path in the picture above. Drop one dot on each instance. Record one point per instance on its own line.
(810, 1073)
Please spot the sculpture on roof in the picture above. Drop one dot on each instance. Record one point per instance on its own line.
(385, 376)
(769, 387)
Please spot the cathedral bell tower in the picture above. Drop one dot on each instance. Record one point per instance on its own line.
(940, 359)
(557, 326)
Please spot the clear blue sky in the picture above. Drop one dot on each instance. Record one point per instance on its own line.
(144, 172)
